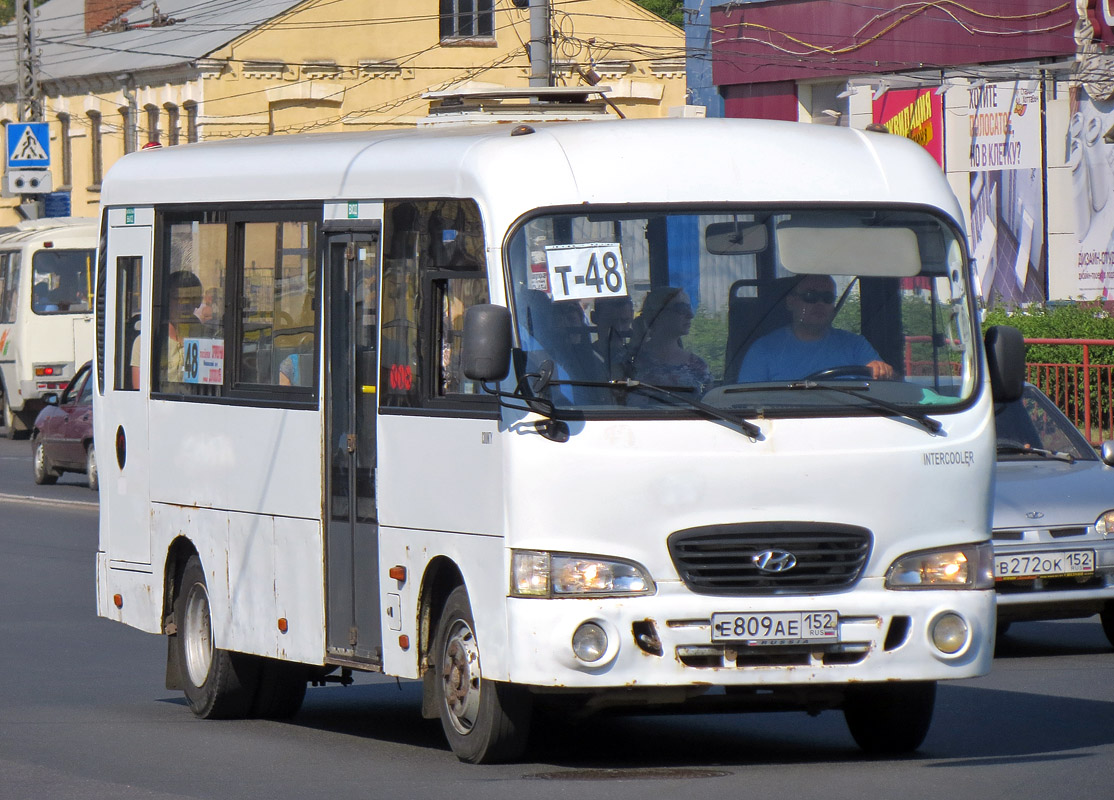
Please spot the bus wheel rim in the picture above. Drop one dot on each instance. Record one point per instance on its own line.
(461, 677)
(198, 632)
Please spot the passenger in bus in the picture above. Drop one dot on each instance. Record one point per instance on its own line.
(183, 296)
(41, 300)
(658, 356)
(294, 370)
(809, 344)
(613, 318)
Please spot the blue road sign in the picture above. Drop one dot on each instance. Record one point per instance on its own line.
(28, 145)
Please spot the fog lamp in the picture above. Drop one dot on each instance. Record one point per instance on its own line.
(589, 642)
(949, 633)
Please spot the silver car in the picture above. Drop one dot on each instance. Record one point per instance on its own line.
(1053, 517)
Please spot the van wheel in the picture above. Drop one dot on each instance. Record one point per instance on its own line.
(13, 423)
(91, 467)
(44, 473)
(890, 719)
(217, 684)
(282, 688)
(1107, 617)
(485, 722)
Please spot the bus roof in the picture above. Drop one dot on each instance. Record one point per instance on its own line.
(617, 161)
(48, 228)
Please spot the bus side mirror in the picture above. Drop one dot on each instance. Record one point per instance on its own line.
(485, 353)
(1005, 359)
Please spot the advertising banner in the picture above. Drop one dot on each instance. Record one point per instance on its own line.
(1007, 192)
(916, 114)
(1092, 183)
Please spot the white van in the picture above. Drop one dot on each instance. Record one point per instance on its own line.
(46, 312)
(498, 408)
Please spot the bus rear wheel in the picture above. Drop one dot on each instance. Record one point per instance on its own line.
(890, 719)
(485, 721)
(217, 684)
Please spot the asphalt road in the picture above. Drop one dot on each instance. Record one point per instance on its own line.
(83, 714)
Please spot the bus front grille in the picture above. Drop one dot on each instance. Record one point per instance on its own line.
(770, 557)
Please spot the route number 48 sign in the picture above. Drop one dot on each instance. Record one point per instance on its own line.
(586, 271)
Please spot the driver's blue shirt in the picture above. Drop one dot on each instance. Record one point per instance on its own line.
(781, 356)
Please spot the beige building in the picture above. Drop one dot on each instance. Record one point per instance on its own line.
(116, 74)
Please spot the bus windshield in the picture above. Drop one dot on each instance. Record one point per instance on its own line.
(780, 311)
(61, 281)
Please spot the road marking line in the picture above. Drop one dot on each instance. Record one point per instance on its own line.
(46, 501)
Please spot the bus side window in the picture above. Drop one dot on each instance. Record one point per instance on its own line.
(433, 270)
(5, 289)
(11, 300)
(128, 278)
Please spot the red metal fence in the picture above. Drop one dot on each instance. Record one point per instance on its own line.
(1083, 390)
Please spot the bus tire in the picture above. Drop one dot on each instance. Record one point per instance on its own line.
(282, 688)
(44, 473)
(485, 721)
(218, 684)
(890, 718)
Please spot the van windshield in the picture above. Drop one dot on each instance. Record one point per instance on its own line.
(777, 311)
(62, 281)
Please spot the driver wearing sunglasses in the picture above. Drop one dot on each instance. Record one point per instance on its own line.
(809, 344)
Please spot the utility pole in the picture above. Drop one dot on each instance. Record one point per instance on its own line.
(29, 98)
(541, 72)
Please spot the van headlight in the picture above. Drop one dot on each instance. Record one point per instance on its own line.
(536, 573)
(965, 567)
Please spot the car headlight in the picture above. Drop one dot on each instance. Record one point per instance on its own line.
(535, 573)
(1105, 523)
(965, 567)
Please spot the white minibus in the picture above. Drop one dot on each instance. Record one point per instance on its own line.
(46, 315)
(627, 415)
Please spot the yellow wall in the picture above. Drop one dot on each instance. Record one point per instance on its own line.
(334, 65)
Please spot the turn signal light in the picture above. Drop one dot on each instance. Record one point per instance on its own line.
(283, 625)
(118, 600)
(397, 572)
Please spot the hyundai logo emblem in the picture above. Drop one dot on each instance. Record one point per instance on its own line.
(774, 561)
(1034, 514)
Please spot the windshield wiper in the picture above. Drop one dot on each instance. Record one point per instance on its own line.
(1017, 448)
(630, 385)
(921, 418)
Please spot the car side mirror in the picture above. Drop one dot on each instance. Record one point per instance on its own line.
(1106, 453)
(485, 353)
(51, 398)
(1005, 360)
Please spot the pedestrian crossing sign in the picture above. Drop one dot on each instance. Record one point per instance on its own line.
(28, 145)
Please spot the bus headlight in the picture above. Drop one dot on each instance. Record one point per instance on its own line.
(535, 573)
(966, 567)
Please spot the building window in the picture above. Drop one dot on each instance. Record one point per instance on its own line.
(171, 124)
(191, 121)
(153, 133)
(96, 157)
(67, 149)
(467, 19)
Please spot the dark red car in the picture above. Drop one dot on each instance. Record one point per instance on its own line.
(62, 436)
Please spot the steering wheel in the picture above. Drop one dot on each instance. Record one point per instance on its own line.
(846, 371)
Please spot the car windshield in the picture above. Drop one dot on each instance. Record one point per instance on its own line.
(62, 281)
(776, 311)
(1034, 428)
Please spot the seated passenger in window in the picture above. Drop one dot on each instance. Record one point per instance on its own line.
(658, 356)
(184, 296)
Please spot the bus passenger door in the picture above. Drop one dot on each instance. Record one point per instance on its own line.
(352, 529)
(121, 436)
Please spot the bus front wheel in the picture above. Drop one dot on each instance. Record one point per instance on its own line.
(217, 684)
(485, 721)
(890, 718)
